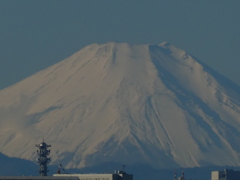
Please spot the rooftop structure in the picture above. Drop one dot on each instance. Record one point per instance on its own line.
(118, 175)
(37, 178)
(227, 174)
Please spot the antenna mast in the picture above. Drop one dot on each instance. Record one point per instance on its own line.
(175, 174)
(43, 160)
(182, 178)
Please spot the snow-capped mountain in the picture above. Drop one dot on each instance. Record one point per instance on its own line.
(125, 103)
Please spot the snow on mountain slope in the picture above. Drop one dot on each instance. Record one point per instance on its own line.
(126, 103)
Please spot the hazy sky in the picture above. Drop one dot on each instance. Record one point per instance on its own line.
(35, 34)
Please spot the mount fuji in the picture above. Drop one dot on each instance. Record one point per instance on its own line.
(125, 103)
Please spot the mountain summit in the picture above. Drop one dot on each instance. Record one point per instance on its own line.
(125, 103)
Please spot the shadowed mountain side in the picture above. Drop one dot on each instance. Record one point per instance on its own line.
(16, 167)
(189, 99)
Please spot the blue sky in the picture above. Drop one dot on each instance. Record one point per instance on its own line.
(35, 34)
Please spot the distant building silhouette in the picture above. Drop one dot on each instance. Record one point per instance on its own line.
(226, 174)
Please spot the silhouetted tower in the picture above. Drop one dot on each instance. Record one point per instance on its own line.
(43, 160)
(175, 175)
(182, 178)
